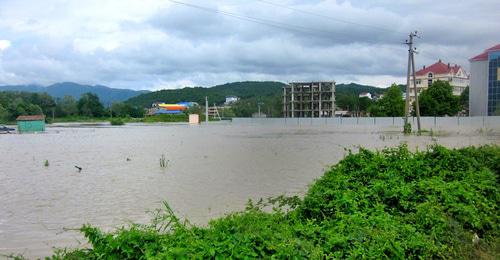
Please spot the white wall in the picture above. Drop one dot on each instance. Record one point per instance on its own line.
(478, 90)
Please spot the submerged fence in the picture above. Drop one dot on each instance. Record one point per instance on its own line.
(426, 122)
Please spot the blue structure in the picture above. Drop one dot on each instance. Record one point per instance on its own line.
(494, 83)
(169, 112)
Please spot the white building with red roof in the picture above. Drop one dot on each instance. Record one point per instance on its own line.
(454, 74)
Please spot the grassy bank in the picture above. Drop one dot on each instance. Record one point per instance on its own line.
(438, 203)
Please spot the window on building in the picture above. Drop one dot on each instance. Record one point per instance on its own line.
(429, 82)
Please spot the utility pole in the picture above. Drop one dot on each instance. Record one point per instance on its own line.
(411, 71)
(258, 106)
(206, 109)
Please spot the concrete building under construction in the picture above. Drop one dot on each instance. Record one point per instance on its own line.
(309, 99)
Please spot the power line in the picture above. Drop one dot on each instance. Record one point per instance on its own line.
(267, 22)
(329, 17)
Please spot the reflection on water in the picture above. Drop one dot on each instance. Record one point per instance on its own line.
(212, 170)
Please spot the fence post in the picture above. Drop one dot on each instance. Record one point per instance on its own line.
(341, 120)
(434, 121)
(374, 120)
(483, 121)
(393, 121)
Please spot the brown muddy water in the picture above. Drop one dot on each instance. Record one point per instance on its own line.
(212, 170)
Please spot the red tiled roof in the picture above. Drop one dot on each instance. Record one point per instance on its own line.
(484, 55)
(30, 118)
(438, 68)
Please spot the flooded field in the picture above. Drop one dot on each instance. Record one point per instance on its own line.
(211, 170)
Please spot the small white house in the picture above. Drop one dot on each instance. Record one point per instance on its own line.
(231, 99)
(365, 94)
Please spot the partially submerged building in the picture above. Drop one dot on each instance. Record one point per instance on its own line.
(484, 91)
(309, 99)
(31, 124)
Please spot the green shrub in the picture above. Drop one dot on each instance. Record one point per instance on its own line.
(407, 128)
(388, 204)
(116, 121)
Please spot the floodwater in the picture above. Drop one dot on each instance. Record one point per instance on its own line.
(212, 170)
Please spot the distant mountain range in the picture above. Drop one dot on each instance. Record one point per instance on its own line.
(243, 90)
(106, 95)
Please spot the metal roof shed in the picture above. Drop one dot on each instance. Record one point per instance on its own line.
(31, 124)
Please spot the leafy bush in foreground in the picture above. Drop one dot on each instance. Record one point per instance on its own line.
(116, 121)
(440, 203)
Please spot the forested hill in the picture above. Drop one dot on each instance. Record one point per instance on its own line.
(59, 90)
(356, 89)
(216, 94)
(243, 90)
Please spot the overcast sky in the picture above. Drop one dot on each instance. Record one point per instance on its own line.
(159, 44)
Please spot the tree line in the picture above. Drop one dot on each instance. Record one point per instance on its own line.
(14, 104)
(436, 100)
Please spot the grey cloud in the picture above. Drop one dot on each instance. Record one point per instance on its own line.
(180, 45)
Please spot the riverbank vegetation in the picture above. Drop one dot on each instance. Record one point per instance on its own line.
(116, 121)
(394, 203)
(67, 109)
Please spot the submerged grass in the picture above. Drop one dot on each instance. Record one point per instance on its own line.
(394, 203)
(116, 121)
(163, 161)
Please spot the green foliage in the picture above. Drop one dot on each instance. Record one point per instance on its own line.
(14, 104)
(407, 128)
(116, 121)
(464, 100)
(216, 94)
(271, 106)
(441, 203)
(89, 105)
(163, 161)
(391, 104)
(66, 107)
(120, 109)
(438, 100)
(4, 114)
